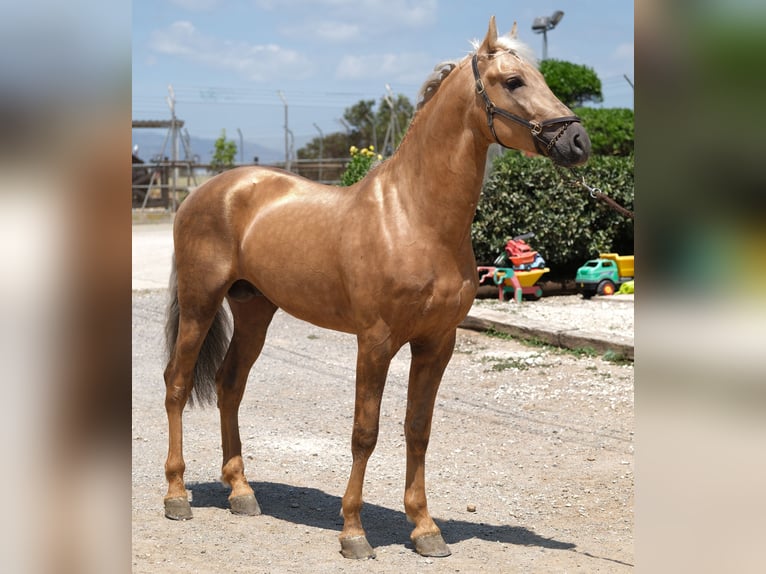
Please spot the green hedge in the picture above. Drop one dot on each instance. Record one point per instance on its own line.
(611, 130)
(525, 194)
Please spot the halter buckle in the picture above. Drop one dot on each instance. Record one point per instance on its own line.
(535, 127)
(479, 86)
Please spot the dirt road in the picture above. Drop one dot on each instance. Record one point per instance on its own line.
(530, 467)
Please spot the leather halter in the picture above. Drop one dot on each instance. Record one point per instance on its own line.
(535, 127)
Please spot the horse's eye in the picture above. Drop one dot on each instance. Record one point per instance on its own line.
(513, 83)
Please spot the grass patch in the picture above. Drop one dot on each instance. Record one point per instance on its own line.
(508, 364)
(579, 352)
(617, 358)
(494, 333)
(517, 363)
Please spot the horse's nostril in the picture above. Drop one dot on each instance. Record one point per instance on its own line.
(580, 144)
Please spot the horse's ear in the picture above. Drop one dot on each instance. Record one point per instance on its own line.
(489, 45)
(514, 32)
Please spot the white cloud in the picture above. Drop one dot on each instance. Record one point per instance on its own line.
(408, 13)
(251, 61)
(402, 68)
(623, 52)
(197, 5)
(337, 31)
(364, 17)
(178, 39)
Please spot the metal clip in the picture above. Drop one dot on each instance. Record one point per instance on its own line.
(535, 127)
(594, 191)
(479, 86)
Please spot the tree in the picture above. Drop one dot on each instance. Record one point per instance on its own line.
(368, 126)
(334, 145)
(363, 121)
(224, 154)
(400, 108)
(573, 84)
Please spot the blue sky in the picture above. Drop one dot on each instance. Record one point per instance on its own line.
(227, 60)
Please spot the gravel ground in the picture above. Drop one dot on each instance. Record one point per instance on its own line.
(530, 467)
(604, 316)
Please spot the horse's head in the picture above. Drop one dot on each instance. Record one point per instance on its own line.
(521, 110)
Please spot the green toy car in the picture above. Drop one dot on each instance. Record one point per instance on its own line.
(605, 275)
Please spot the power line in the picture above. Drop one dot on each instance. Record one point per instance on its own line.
(200, 95)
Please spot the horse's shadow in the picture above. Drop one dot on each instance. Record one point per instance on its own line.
(313, 507)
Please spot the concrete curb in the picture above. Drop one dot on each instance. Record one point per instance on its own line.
(488, 320)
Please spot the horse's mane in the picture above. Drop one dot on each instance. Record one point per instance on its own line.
(443, 69)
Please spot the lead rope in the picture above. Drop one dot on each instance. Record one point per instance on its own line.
(595, 193)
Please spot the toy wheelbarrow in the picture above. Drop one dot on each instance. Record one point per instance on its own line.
(508, 280)
(505, 279)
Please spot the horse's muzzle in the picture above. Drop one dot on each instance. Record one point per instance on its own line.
(569, 147)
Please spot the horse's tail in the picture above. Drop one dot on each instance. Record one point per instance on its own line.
(213, 348)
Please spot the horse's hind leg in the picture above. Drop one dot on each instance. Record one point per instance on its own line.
(251, 320)
(194, 323)
(429, 360)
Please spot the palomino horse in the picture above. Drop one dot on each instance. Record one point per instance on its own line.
(409, 219)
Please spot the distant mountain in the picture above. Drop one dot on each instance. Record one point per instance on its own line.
(150, 143)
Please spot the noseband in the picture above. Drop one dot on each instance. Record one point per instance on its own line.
(535, 127)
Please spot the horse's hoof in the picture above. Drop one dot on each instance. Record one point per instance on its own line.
(245, 504)
(357, 548)
(432, 545)
(178, 509)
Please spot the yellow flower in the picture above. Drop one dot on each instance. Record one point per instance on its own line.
(380, 157)
(353, 149)
(371, 148)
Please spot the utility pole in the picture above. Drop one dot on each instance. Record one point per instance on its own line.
(321, 150)
(287, 132)
(371, 119)
(171, 99)
(630, 83)
(392, 132)
(346, 127)
(241, 147)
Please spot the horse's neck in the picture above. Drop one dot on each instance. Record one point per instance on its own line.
(439, 167)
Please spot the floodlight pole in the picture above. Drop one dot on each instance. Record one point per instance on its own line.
(542, 24)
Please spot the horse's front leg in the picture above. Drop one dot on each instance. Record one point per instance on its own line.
(372, 364)
(429, 360)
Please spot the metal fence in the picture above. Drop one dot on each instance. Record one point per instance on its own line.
(166, 183)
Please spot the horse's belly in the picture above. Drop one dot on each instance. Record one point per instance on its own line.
(311, 300)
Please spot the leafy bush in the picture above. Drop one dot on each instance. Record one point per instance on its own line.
(224, 154)
(611, 130)
(361, 162)
(525, 194)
